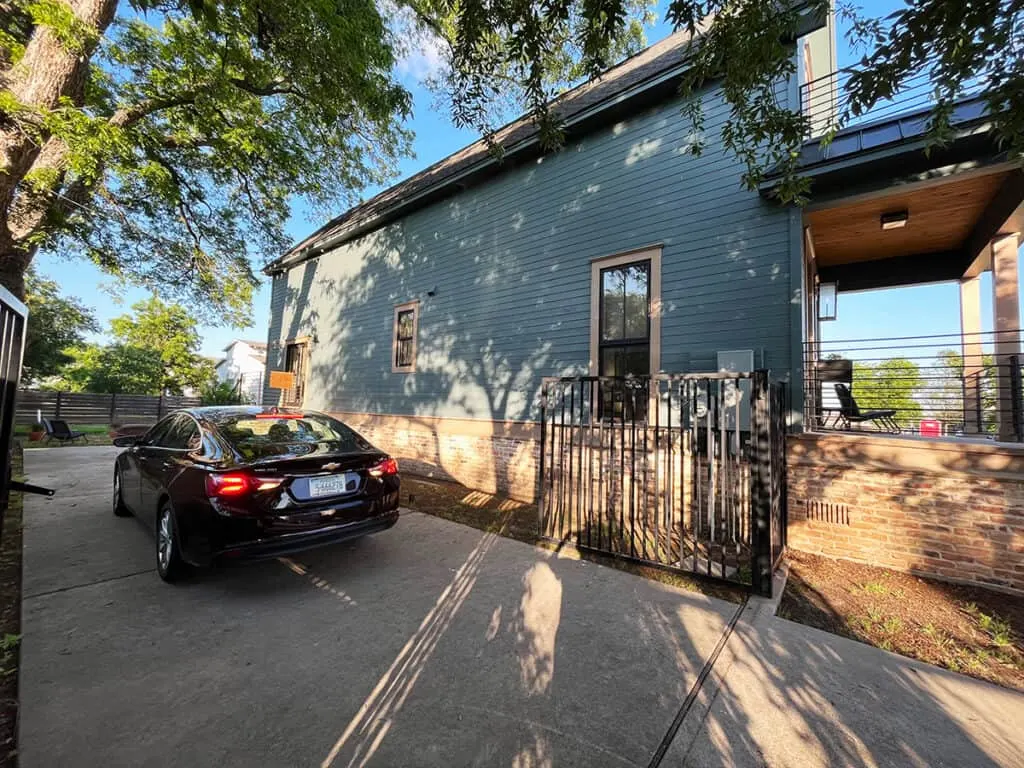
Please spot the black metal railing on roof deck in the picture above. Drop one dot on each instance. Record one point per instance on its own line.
(945, 385)
(826, 100)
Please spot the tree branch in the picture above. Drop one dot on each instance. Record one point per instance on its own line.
(127, 116)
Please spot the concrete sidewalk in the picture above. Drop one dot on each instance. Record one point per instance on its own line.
(436, 645)
(783, 694)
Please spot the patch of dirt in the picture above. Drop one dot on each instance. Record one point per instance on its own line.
(518, 520)
(10, 622)
(971, 630)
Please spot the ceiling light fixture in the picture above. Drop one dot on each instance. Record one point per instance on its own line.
(895, 219)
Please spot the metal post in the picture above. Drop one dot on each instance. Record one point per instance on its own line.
(113, 407)
(541, 531)
(56, 414)
(1016, 398)
(761, 489)
(160, 407)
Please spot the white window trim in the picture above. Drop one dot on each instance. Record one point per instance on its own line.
(647, 253)
(415, 307)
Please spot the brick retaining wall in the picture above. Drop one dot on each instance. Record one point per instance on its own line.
(946, 509)
(491, 456)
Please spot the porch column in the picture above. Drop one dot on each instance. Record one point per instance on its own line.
(1006, 308)
(970, 340)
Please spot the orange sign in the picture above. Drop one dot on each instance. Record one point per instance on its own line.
(282, 379)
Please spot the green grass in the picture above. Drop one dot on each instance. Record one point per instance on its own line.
(22, 430)
(875, 588)
(996, 628)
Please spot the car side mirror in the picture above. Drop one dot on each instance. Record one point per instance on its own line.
(126, 441)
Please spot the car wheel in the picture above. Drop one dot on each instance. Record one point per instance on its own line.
(119, 506)
(169, 564)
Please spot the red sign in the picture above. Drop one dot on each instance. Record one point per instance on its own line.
(931, 428)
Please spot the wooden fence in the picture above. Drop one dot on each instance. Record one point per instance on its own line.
(87, 408)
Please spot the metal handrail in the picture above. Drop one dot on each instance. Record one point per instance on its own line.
(826, 100)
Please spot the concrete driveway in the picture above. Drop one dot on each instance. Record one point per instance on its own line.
(433, 644)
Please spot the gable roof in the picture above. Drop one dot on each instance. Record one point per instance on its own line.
(648, 74)
(657, 61)
(257, 346)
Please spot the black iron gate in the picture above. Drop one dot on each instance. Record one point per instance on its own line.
(685, 471)
(13, 319)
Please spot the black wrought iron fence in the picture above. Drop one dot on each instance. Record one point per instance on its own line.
(827, 101)
(943, 385)
(13, 318)
(684, 471)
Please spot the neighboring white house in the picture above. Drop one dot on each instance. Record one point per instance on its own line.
(243, 364)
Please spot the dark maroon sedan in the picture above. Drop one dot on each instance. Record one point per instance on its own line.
(237, 482)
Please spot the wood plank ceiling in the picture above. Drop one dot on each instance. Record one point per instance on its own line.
(941, 217)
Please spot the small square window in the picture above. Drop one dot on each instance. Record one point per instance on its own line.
(403, 338)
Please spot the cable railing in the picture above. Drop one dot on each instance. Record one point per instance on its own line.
(946, 385)
(826, 101)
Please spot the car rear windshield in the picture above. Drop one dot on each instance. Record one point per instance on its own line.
(266, 435)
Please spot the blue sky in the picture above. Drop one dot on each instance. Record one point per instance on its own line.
(900, 312)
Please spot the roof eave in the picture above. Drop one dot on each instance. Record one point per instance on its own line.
(315, 247)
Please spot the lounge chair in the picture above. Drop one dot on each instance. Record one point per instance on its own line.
(850, 414)
(58, 429)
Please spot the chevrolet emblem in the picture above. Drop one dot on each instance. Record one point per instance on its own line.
(331, 465)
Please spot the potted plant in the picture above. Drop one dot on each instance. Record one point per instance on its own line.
(36, 432)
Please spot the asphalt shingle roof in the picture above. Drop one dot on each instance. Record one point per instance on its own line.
(650, 63)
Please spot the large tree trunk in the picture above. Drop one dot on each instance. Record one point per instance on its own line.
(14, 260)
(47, 72)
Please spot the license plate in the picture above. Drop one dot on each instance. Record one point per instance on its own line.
(333, 485)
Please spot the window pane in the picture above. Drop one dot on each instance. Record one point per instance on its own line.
(405, 324)
(624, 305)
(612, 287)
(403, 353)
(266, 438)
(636, 301)
(634, 359)
(179, 434)
(156, 435)
(622, 400)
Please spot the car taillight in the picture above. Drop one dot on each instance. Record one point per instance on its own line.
(232, 484)
(386, 467)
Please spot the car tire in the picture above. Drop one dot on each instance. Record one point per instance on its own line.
(119, 506)
(169, 564)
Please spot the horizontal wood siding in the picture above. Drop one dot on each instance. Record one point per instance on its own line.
(502, 273)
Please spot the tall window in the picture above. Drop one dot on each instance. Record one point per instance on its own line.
(625, 329)
(403, 353)
(625, 343)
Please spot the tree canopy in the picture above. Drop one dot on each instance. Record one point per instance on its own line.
(168, 330)
(166, 139)
(155, 349)
(889, 384)
(115, 368)
(58, 322)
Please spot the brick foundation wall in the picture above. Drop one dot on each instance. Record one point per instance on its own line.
(496, 457)
(945, 509)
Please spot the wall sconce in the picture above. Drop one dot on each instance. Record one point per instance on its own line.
(895, 219)
(828, 299)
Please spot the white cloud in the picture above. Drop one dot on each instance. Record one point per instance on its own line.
(424, 59)
(421, 53)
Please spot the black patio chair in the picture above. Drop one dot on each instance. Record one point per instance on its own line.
(850, 414)
(58, 429)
